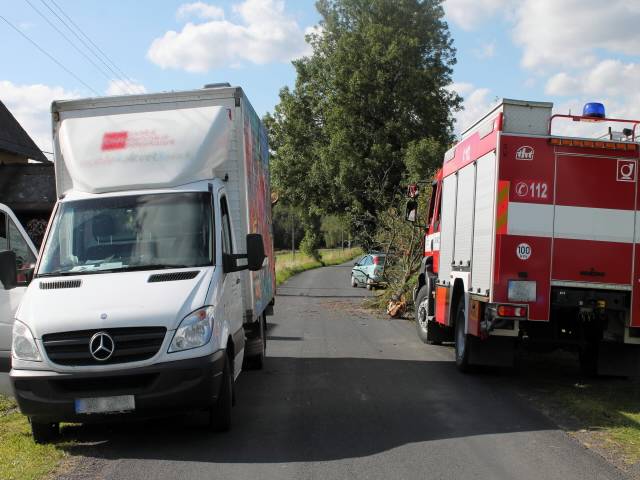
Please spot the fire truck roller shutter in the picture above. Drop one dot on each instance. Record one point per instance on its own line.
(449, 190)
(483, 223)
(464, 217)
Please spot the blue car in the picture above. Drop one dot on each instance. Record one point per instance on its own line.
(368, 271)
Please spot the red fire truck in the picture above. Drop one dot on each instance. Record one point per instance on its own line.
(533, 239)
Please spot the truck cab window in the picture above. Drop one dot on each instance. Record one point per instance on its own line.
(4, 244)
(434, 214)
(151, 231)
(25, 259)
(227, 238)
(432, 202)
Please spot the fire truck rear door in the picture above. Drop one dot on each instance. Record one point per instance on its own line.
(594, 217)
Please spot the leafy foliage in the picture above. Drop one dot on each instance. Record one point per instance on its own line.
(287, 227)
(370, 106)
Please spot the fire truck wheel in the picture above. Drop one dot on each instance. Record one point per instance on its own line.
(427, 329)
(589, 360)
(462, 340)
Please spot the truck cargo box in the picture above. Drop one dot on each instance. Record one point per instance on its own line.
(165, 140)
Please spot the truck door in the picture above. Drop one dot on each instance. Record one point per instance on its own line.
(594, 217)
(232, 288)
(12, 237)
(432, 239)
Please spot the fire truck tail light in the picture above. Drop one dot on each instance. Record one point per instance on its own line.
(511, 311)
(521, 291)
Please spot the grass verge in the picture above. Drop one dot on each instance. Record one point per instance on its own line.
(288, 265)
(20, 457)
(602, 413)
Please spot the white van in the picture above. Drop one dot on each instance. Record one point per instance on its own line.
(17, 259)
(157, 271)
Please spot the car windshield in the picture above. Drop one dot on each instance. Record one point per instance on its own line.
(137, 232)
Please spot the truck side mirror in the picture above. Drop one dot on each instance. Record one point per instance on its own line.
(8, 269)
(411, 212)
(255, 251)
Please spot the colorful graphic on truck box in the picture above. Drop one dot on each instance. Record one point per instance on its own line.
(259, 203)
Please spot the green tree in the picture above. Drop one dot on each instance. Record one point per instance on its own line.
(335, 230)
(367, 104)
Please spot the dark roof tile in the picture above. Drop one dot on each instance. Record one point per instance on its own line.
(13, 138)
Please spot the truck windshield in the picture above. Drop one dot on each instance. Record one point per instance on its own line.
(138, 232)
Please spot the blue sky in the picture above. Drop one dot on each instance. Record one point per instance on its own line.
(565, 51)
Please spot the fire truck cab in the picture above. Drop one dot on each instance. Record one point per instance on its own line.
(534, 239)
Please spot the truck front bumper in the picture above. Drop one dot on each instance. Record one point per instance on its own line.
(170, 387)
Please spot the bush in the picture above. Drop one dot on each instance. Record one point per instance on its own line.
(310, 244)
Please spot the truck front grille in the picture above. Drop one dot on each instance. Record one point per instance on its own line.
(129, 345)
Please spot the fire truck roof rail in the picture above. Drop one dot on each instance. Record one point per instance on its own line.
(519, 116)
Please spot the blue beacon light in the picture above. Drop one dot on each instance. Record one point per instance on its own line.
(594, 110)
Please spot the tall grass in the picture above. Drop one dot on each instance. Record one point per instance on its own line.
(288, 265)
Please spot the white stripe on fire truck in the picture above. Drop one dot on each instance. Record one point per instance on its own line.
(575, 223)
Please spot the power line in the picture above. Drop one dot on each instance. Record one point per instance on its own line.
(123, 76)
(127, 82)
(103, 72)
(48, 55)
(69, 41)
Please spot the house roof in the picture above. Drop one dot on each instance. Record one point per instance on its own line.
(13, 138)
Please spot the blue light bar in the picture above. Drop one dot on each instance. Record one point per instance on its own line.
(594, 110)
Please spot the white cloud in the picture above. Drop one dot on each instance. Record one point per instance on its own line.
(125, 87)
(264, 34)
(477, 102)
(487, 50)
(468, 14)
(31, 104)
(199, 10)
(610, 78)
(568, 33)
(561, 84)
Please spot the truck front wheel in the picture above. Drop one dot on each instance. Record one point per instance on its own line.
(220, 413)
(589, 359)
(428, 330)
(256, 345)
(44, 432)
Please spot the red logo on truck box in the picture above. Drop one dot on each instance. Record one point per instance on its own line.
(114, 140)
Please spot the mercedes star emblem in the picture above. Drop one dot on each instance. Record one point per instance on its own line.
(101, 346)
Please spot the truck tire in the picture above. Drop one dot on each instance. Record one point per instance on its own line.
(44, 432)
(461, 339)
(427, 329)
(257, 345)
(588, 356)
(220, 413)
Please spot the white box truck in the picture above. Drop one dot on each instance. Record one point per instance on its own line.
(157, 270)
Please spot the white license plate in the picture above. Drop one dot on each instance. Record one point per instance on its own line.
(123, 403)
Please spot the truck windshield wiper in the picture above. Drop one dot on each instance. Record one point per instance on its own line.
(130, 268)
(57, 274)
(159, 266)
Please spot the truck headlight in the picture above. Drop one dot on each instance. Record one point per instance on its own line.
(23, 345)
(194, 330)
(522, 291)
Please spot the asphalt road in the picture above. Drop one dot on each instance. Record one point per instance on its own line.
(346, 395)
